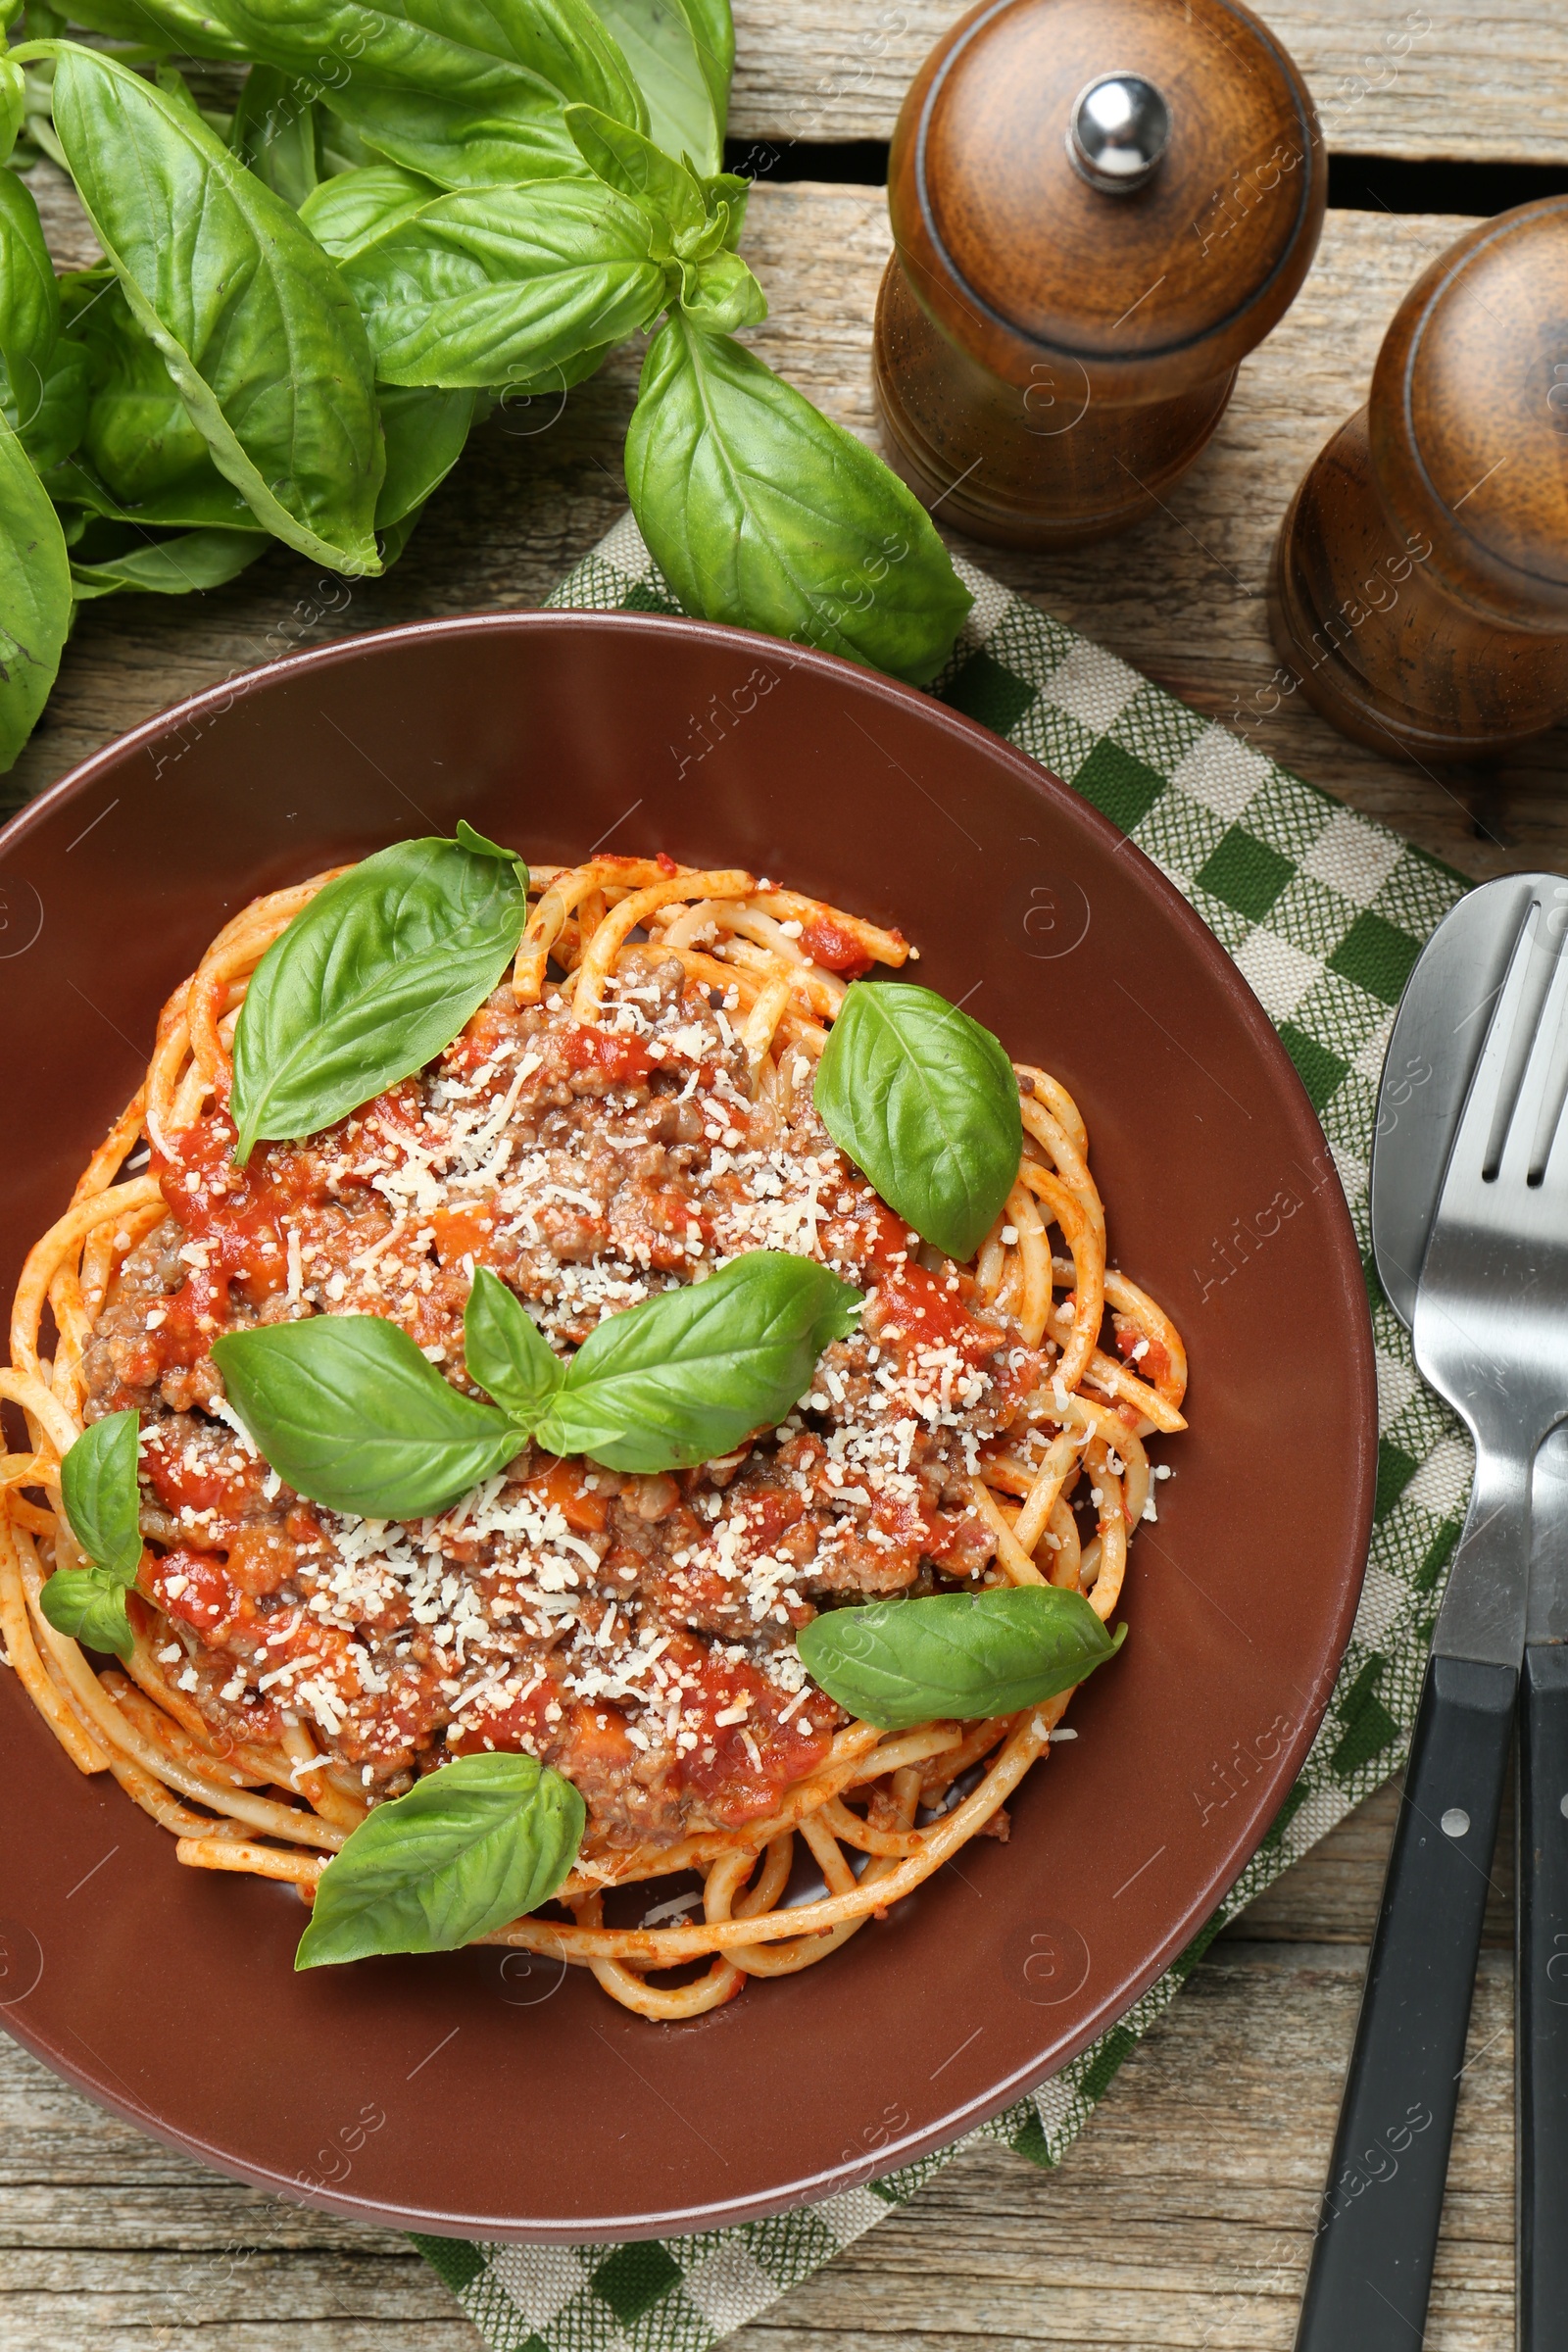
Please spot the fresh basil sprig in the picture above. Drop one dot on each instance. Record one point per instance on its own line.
(349, 1411)
(925, 1103)
(98, 1486)
(961, 1655)
(371, 979)
(351, 1414)
(483, 1841)
(506, 204)
(689, 1373)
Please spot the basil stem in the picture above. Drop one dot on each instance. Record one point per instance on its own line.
(959, 1656)
(689, 1373)
(925, 1103)
(481, 1841)
(760, 512)
(370, 981)
(349, 1411)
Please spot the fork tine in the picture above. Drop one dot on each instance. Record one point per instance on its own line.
(1538, 1107)
(1472, 1144)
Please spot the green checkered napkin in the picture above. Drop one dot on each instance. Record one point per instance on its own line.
(1324, 913)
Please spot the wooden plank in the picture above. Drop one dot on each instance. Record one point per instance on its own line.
(1480, 79)
(1181, 597)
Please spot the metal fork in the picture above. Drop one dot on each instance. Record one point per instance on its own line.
(1490, 1335)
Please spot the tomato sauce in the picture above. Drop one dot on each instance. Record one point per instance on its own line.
(614, 1060)
(836, 949)
(197, 1589)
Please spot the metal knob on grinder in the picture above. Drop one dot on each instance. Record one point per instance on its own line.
(1119, 128)
(1099, 208)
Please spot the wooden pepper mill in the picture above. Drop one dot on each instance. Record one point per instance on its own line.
(1420, 581)
(1099, 208)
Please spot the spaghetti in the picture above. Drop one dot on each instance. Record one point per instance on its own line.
(631, 1110)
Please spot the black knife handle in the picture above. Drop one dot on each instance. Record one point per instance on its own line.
(1541, 2044)
(1371, 2268)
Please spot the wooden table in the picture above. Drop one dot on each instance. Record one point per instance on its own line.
(1184, 2213)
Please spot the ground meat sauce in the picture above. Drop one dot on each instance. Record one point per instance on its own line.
(638, 1634)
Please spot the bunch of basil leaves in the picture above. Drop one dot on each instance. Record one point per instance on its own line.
(417, 208)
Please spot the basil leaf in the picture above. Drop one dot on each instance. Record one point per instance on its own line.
(689, 1373)
(720, 294)
(34, 596)
(90, 1607)
(30, 300)
(371, 979)
(98, 1486)
(727, 192)
(192, 562)
(506, 1353)
(468, 91)
(506, 281)
(425, 432)
(957, 1654)
(43, 380)
(481, 846)
(760, 512)
(139, 437)
(52, 419)
(682, 53)
(12, 106)
(274, 133)
(625, 159)
(925, 1103)
(348, 1410)
(346, 213)
(174, 26)
(481, 1841)
(99, 1490)
(252, 321)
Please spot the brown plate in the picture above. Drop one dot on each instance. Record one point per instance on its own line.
(465, 2094)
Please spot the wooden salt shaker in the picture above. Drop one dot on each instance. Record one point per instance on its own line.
(1099, 208)
(1420, 581)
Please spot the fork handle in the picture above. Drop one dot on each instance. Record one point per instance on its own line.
(1542, 2043)
(1371, 2268)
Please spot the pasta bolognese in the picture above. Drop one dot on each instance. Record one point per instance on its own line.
(631, 1112)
